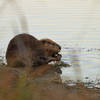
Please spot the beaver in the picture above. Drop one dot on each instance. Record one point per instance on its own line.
(25, 50)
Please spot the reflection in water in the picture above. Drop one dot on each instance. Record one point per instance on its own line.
(76, 63)
(85, 66)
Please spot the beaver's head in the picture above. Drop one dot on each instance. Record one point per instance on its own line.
(51, 48)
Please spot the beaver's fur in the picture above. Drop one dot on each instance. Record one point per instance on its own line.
(26, 50)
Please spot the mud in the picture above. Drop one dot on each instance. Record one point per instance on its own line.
(43, 83)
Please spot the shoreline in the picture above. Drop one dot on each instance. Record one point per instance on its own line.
(42, 84)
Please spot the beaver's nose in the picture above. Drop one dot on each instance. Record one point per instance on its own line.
(59, 47)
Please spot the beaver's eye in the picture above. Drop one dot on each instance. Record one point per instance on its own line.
(48, 42)
(43, 41)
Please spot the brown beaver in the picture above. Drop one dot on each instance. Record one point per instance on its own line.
(26, 50)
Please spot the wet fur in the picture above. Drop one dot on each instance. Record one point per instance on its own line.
(26, 50)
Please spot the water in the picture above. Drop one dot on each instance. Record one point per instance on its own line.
(85, 66)
(74, 24)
